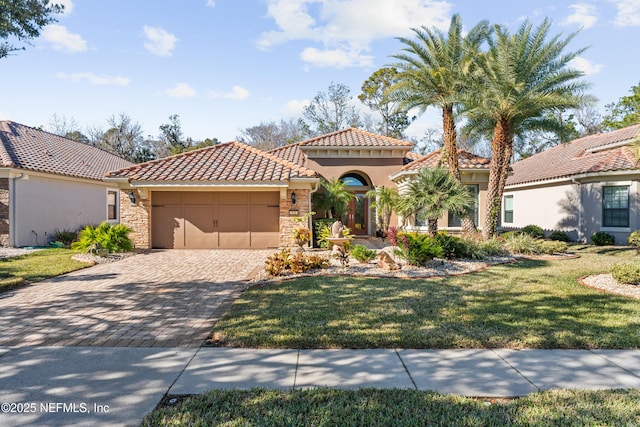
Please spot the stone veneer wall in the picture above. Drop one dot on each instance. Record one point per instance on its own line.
(137, 217)
(4, 212)
(287, 224)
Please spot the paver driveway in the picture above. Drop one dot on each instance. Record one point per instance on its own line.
(159, 299)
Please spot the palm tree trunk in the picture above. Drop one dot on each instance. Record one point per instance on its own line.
(501, 151)
(433, 226)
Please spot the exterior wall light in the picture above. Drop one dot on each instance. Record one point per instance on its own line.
(293, 198)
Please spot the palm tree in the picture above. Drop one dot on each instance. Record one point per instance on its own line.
(520, 78)
(333, 198)
(384, 201)
(434, 71)
(432, 193)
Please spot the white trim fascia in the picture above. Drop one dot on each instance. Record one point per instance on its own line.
(571, 178)
(207, 185)
(415, 172)
(610, 146)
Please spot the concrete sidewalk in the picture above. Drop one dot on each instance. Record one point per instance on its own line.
(117, 386)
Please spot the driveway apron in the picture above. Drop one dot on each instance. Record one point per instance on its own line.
(157, 299)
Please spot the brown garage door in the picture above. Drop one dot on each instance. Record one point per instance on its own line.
(215, 219)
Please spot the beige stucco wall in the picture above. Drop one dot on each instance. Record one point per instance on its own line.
(377, 170)
(42, 204)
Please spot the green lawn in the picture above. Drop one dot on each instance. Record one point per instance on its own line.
(36, 266)
(528, 304)
(371, 407)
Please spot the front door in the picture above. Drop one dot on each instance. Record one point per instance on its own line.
(357, 218)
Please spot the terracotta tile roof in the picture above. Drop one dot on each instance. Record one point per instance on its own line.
(603, 152)
(466, 160)
(24, 147)
(353, 137)
(231, 161)
(412, 156)
(291, 153)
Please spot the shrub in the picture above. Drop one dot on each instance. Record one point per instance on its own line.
(533, 231)
(362, 253)
(559, 236)
(601, 238)
(521, 244)
(626, 273)
(322, 230)
(452, 246)
(112, 238)
(277, 263)
(392, 235)
(509, 234)
(417, 249)
(487, 248)
(280, 262)
(634, 240)
(551, 247)
(66, 237)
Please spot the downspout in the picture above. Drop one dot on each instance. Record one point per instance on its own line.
(310, 219)
(12, 213)
(580, 233)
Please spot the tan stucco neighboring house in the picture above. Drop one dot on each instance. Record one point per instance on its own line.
(361, 159)
(229, 195)
(587, 185)
(50, 183)
(474, 173)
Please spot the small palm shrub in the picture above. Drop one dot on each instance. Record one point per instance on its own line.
(533, 231)
(559, 236)
(362, 253)
(110, 237)
(626, 273)
(66, 237)
(417, 249)
(601, 238)
(634, 240)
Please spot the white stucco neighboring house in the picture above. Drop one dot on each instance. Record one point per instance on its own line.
(581, 187)
(48, 182)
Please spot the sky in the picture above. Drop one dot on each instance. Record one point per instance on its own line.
(226, 65)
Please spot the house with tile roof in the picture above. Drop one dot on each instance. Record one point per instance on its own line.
(583, 186)
(48, 182)
(235, 196)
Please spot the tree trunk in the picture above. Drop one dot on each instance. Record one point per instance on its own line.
(433, 226)
(501, 151)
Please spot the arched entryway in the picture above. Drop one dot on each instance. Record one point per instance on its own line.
(358, 215)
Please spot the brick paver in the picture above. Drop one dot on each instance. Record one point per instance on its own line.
(157, 299)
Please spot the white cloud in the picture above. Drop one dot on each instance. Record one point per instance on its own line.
(344, 29)
(295, 107)
(211, 3)
(68, 6)
(585, 66)
(181, 90)
(159, 41)
(584, 15)
(103, 80)
(628, 13)
(238, 93)
(61, 39)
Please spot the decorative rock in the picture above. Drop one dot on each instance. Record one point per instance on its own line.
(386, 262)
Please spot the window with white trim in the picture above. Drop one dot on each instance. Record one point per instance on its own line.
(112, 205)
(508, 209)
(615, 206)
(454, 220)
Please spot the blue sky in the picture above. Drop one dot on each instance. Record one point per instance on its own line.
(225, 65)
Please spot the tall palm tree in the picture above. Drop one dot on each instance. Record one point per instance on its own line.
(333, 198)
(384, 201)
(434, 71)
(432, 193)
(520, 78)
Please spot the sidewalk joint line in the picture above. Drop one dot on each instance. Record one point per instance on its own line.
(406, 369)
(181, 372)
(516, 369)
(613, 363)
(295, 372)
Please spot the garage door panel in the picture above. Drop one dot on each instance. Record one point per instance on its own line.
(166, 198)
(233, 198)
(203, 198)
(167, 227)
(270, 198)
(199, 227)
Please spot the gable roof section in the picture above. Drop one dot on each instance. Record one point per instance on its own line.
(24, 147)
(228, 162)
(354, 138)
(291, 153)
(466, 160)
(605, 152)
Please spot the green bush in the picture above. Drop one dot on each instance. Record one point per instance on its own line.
(559, 236)
(452, 246)
(626, 273)
(550, 247)
(601, 238)
(417, 248)
(110, 237)
(66, 237)
(487, 248)
(362, 253)
(634, 240)
(322, 230)
(508, 234)
(521, 244)
(533, 231)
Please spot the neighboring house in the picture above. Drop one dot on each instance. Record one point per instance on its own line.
(587, 185)
(233, 195)
(474, 173)
(48, 182)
